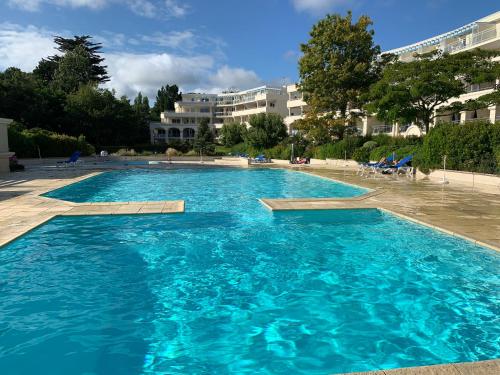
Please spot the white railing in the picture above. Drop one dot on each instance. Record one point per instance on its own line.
(476, 38)
(379, 129)
(481, 86)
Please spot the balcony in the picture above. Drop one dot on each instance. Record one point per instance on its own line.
(481, 86)
(382, 129)
(476, 38)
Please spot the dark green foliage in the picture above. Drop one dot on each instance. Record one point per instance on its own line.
(73, 71)
(104, 119)
(339, 63)
(98, 72)
(165, 100)
(204, 140)
(361, 154)
(468, 147)
(31, 143)
(412, 91)
(266, 130)
(339, 150)
(232, 134)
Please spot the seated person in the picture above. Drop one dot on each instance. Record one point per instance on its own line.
(14, 164)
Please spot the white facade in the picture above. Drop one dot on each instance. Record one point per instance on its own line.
(296, 106)
(219, 109)
(4, 145)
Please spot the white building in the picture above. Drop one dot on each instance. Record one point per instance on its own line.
(483, 33)
(4, 145)
(219, 109)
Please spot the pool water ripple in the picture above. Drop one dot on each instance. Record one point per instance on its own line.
(229, 287)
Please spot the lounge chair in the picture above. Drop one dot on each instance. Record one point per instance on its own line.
(73, 159)
(400, 166)
(260, 159)
(374, 166)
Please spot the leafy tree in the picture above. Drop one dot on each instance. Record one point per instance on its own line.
(412, 91)
(45, 70)
(103, 119)
(141, 107)
(321, 130)
(232, 134)
(204, 140)
(27, 100)
(73, 70)
(98, 72)
(165, 100)
(339, 63)
(266, 130)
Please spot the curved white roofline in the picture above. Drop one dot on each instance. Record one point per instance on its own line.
(437, 39)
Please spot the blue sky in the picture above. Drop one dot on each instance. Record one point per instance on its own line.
(210, 45)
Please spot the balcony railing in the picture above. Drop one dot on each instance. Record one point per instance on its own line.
(481, 87)
(476, 38)
(379, 129)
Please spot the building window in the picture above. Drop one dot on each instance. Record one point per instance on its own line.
(188, 133)
(204, 110)
(176, 121)
(271, 105)
(174, 133)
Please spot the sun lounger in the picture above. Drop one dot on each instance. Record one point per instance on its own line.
(73, 159)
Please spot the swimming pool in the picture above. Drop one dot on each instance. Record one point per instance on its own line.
(230, 287)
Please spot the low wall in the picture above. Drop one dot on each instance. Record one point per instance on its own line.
(474, 180)
(232, 161)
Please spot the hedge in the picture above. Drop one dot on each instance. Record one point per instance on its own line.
(32, 143)
(472, 147)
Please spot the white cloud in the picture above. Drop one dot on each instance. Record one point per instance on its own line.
(131, 71)
(145, 8)
(226, 77)
(173, 39)
(34, 5)
(318, 6)
(24, 47)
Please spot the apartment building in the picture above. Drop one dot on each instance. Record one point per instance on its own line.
(483, 33)
(219, 109)
(296, 106)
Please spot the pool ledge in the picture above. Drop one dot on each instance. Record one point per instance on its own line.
(358, 203)
(470, 368)
(24, 220)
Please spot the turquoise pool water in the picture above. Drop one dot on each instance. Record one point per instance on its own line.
(233, 288)
(209, 190)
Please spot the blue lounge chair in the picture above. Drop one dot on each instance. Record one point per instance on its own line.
(72, 159)
(374, 166)
(401, 165)
(260, 159)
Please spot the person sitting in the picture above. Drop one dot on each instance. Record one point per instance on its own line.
(14, 165)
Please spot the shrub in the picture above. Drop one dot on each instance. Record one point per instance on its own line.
(338, 150)
(370, 145)
(468, 147)
(281, 151)
(361, 154)
(32, 143)
(381, 152)
(171, 152)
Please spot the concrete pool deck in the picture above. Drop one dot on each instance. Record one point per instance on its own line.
(22, 208)
(462, 212)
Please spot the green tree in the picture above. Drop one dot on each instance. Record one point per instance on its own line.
(141, 107)
(204, 140)
(98, 72)
(232, 134)
(29, 101)
(73, 70)
(321, 129)
(266, 130)
(412, 91)
(339, 64)
(45, 70)
(104, 119)
(165, 100)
